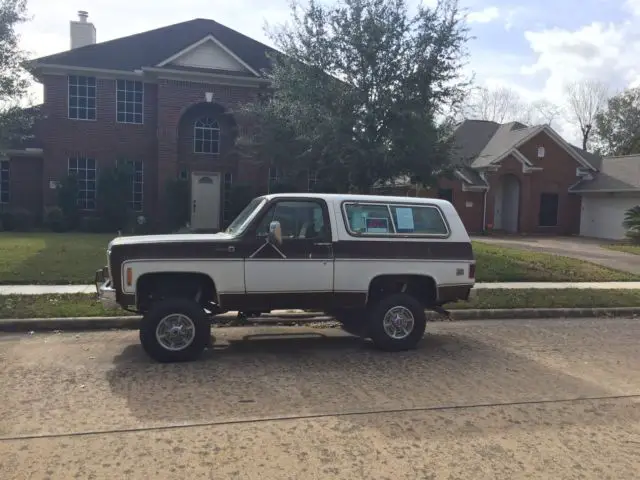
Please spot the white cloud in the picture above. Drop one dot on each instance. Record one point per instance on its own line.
(606, 52)
(633, 6)
(486, 15)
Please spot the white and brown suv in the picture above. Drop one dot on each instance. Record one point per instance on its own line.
(374, 262)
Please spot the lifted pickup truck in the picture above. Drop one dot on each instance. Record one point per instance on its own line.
(375, 263)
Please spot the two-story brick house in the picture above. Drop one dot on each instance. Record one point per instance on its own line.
(168, 100)
(165, 100)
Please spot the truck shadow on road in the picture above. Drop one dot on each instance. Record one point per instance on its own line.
(316, 374)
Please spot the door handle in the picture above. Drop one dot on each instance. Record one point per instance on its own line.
(323, 244)
(194, 206)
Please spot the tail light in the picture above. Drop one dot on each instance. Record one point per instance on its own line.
(472, 270)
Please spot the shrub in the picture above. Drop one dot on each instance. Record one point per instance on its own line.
(68, 200)
(18, 219)
(632, 223)
(114, 191)
(176, 207)
(239, 197)
(94, 224)
(55, 220)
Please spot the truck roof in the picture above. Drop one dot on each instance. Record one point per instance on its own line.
(340, 197)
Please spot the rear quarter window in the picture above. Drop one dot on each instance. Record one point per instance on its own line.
(390, 219)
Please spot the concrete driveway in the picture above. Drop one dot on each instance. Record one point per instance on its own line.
(482, 400)
(583, 249)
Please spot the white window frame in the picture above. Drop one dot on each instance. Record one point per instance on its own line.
(206, 124)
(274, 177)
(131, 202)
(129, 106)
(394, 233)
(85, 178)
(5, 178)
(312, 179)
(87, 97)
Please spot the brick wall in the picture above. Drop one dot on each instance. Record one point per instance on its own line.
(103, 139)
(161, 143)
(178, 106)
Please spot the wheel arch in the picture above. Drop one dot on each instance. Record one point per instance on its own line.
(188, 284)
(423, 287)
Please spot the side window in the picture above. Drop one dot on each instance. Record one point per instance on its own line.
(373, 219)
(423, 220)
(298, 220)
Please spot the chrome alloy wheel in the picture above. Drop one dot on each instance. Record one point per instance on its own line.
(398, 322)
(175, 332)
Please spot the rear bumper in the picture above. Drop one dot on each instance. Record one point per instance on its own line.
(106, 292)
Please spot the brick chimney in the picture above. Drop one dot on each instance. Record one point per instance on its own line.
(81, 31)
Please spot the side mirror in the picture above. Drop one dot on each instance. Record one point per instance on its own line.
(275, 233)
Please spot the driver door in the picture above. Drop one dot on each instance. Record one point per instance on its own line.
(302, 266)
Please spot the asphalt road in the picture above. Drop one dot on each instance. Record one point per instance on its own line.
(548, 399)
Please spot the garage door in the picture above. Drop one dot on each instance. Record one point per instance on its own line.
(601, 217)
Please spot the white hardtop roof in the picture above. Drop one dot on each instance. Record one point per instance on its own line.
(344, 197)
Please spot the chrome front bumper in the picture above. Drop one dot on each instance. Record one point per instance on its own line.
(106, 293)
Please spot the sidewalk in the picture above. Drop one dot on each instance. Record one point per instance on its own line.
(91, 289)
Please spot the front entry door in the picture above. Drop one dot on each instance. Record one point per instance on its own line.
(299, 272)
(205, 201)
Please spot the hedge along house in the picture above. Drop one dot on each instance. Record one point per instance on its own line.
(515, 178)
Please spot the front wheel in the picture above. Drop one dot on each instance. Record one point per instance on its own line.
(397, 322)
(175, 330)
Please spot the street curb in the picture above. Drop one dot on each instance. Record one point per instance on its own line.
(132, 323)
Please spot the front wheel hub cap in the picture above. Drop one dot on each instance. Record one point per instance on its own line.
(175, 332)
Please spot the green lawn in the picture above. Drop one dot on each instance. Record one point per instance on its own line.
(61, 306)
(501, 264)
(623, 247)
(55, 258)
(51, 258)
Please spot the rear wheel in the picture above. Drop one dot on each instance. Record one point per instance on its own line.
(175, 330)
(397, 322)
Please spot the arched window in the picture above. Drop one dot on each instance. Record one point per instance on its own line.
(206, 136)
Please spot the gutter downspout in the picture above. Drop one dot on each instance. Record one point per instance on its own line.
(484, 203)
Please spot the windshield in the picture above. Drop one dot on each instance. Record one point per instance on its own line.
(242, 220)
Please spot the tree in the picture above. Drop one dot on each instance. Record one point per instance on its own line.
(585, 99)
(15, 121)
(504, 105)
(617, 129)
(357, 90)
(543, 112)
(499, 105)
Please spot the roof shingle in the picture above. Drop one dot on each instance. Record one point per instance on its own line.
(616, 173)
(149, 48)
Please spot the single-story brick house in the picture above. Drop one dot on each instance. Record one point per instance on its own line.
(167, 101)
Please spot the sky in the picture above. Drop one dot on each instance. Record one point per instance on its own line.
(534, 49)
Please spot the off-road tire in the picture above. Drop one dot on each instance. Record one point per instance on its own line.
(377, 312)
(166, 307)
